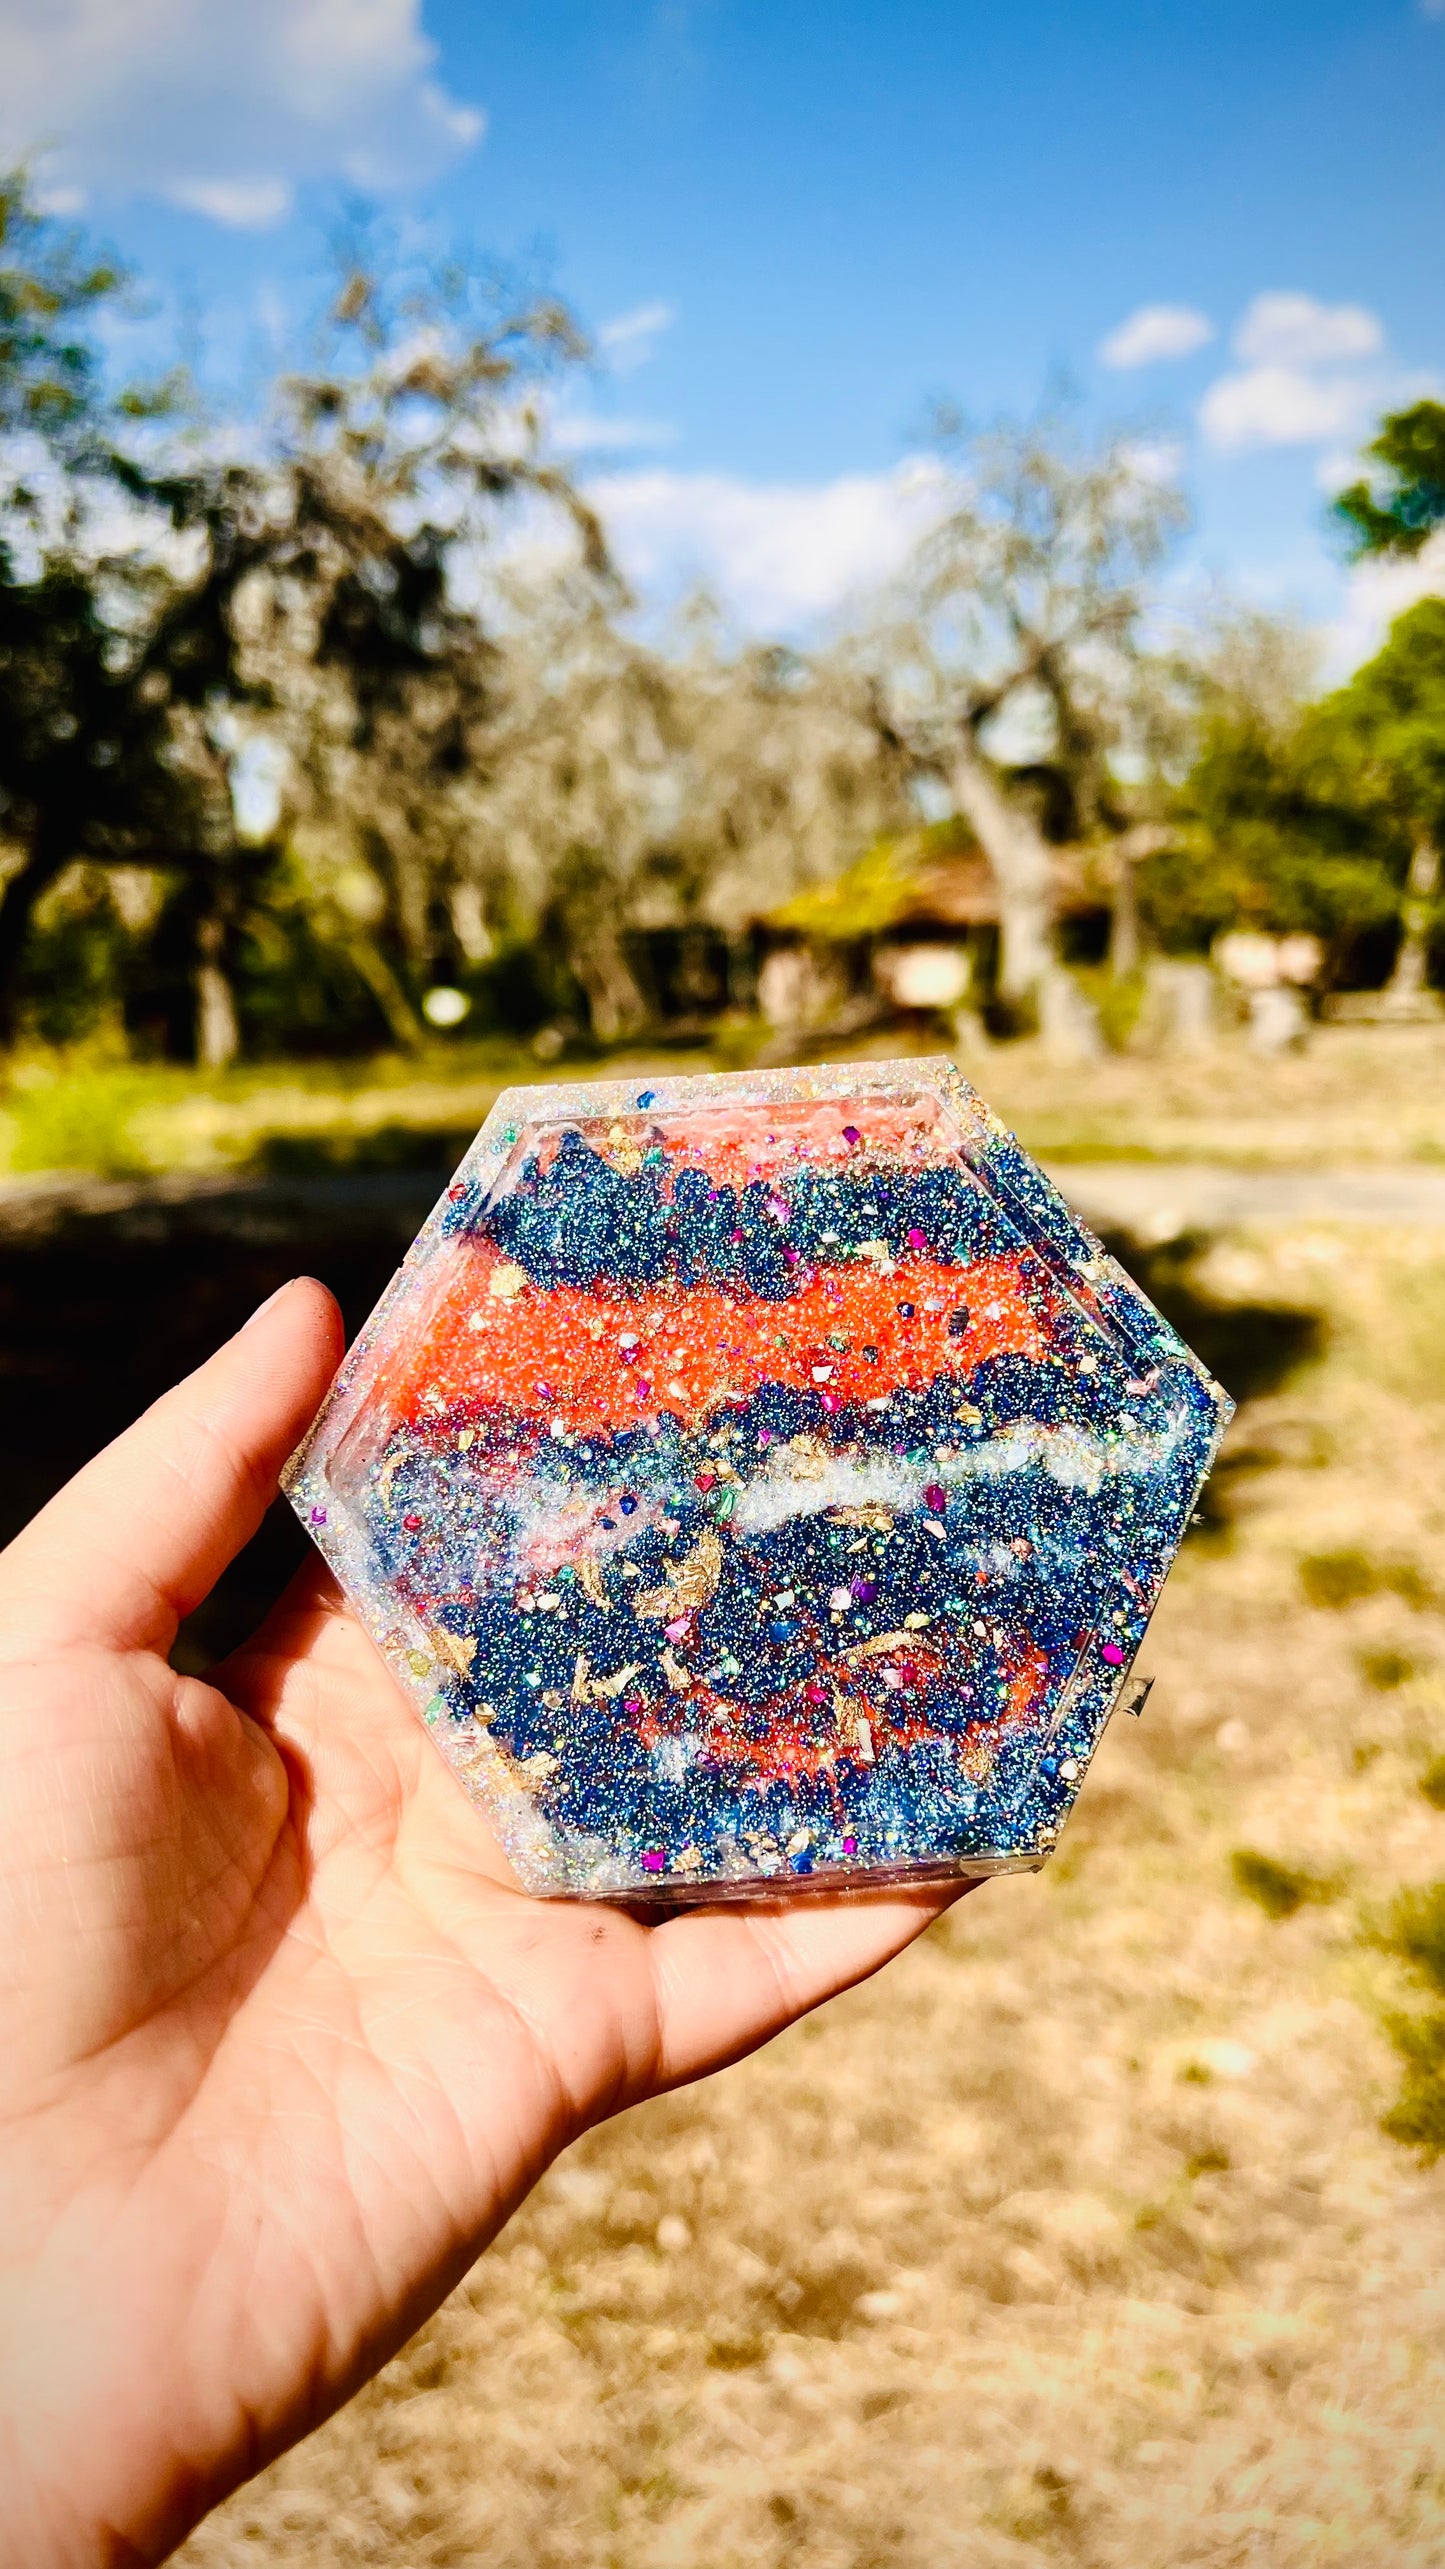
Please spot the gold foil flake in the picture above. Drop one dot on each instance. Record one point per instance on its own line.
(878, 1647)
(602, 1689)
(592, 1583)
(687, 1584)
(457, 1649)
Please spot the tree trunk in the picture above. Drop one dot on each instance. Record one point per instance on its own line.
(372, 967)
(614, 1002)
(1146, 838)
(1407, 981)
(18, 898)
(218, 1036)
(1124, 923)
(1022, 868)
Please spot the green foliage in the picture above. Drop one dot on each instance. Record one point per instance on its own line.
(1118, 1000)
(1310, 822)
(524, 985)
(538, 782)
(1385, 730)
(313, 596)
(74, 969)
(104, 673)
(305, 979)
(1275, 831)
(1278, 1888)
(881, 887)
(1399, 508)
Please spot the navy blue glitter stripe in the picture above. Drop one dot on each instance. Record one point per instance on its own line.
(582, 1220)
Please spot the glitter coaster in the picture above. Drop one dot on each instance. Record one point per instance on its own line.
(759, 1481)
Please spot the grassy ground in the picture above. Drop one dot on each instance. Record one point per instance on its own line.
(1076, 2239)
(1353, 1094)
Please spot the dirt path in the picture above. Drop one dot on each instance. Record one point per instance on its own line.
(1159, 1200)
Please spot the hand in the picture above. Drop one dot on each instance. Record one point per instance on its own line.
(281, 2044)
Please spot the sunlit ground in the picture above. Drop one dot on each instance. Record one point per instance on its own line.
(1077, 2237)
(1353, 1095)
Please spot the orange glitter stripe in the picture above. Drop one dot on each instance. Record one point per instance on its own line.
(555, 1352)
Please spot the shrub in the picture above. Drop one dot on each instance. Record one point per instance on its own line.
(1279, 1890)
(1338, 1579)
(1432, 1783)
(1386, 1669)
(1415, 1935)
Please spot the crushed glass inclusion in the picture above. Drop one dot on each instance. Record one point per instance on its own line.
(759, 1482)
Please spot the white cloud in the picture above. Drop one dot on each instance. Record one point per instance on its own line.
(224, 105)
(59, 200)
(1377, 591)
(1336, 470)
(243, 204)
(1294, 330)
(1154, 459)
(1155, 332)
(628, 341)
(1304, 380)
(1282, 406)
(778, 555)
(588, 432)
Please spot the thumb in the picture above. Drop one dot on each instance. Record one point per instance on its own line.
(141, 1535)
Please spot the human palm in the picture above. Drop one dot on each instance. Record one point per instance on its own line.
(281, 2043)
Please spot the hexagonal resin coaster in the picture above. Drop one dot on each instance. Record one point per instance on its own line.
(759, 1481)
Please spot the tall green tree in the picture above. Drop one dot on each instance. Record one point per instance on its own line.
(1388, 727)
(1323, 815)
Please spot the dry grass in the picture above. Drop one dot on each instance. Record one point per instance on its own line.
(1353, 1095)
(1075, 2239)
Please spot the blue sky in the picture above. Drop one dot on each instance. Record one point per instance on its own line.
(795, 224)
